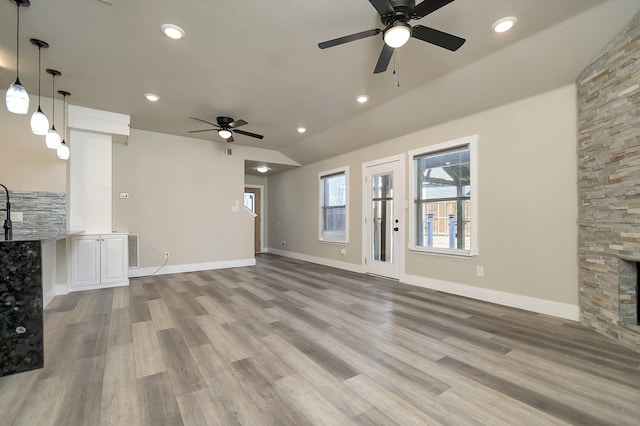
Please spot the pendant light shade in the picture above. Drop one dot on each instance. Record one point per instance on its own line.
(39, 121)
(17, 98)
(63, 150)
(53, 138)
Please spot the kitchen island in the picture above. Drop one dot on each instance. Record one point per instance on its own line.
(21, 325)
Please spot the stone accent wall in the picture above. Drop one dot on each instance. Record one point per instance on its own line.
(609, 186)
(43, 212)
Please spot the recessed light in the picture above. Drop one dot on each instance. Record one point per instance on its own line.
(172, 31)
(262, 169)
(504, 24)
(362, 99)
(302, 129)
(152, 97)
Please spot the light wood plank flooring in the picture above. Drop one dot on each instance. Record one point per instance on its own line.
(293, 343)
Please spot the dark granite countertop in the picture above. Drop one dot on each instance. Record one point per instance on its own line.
(41, 236)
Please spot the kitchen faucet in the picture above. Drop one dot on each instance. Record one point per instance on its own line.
(8, 228)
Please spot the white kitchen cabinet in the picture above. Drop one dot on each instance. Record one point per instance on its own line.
(99, 261)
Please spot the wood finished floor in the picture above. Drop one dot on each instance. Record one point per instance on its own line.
(293, 343)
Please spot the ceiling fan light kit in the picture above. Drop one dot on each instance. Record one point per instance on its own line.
(397, 35)
(395, 16)
(224, 133)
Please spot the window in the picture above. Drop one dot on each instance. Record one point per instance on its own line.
(444, 201)
(333, 206)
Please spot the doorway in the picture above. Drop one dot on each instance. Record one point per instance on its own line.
(383, 208)
(253, 200)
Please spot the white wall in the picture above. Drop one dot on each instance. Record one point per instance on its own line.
(182, 192)
(527, 208)
(89, 182)
(26, 164)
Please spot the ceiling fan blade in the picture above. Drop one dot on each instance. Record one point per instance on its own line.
(384, 59)
(204, 121)
(237, 123)
(198, 131)
(253, 135)
(430, 35)
(347, 39)
(427, 7)
(383, 7)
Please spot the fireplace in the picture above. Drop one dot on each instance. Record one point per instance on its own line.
(608, 190)
(628, 294)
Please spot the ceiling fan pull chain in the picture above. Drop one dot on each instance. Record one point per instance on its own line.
(398, 66)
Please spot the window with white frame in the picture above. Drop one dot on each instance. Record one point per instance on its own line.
(333, 206)
(444, 211)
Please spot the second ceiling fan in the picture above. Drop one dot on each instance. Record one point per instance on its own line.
(225, 126)
(395, 16)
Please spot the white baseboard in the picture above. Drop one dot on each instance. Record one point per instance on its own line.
(190, 267)
(48, 297)
(62, 289)
(541, 306)
(320, 260)
(98, 286)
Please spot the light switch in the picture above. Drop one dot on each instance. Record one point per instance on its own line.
(17, 216)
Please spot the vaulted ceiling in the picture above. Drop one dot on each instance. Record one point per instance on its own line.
(258, 60)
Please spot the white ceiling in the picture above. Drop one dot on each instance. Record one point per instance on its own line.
(258, 60)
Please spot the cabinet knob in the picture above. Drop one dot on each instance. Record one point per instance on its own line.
(21, 330)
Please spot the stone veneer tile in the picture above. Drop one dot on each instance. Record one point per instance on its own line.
(609, 185)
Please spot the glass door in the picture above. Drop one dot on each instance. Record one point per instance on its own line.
(383, 219)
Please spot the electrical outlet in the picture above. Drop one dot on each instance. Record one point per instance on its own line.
(480, 271)
(166, 255)
(343, 252)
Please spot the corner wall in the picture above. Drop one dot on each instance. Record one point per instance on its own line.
(527, 207)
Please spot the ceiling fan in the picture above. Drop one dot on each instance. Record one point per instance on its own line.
(395, 16)
(225, 127)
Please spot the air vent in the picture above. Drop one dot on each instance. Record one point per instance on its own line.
(134, 250)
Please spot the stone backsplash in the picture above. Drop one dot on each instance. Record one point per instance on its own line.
(42, 212)
(609, 187)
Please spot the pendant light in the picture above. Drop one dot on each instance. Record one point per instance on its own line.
(63, 150)
(53, 138)
(39, 121)
(17, 98)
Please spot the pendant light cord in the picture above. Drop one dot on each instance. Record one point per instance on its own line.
(39, 73)
(64, 117)
(53, 97)
(18, 44)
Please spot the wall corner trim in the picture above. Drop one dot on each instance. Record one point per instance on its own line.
(352, 267)
(190, 267)
(541, 306)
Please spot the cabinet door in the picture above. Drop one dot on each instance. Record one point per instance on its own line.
(114, 261)
(85, 259)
